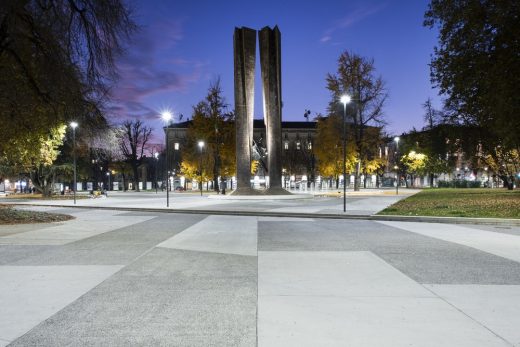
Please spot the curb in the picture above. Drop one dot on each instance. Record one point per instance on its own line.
(448, 220)
(395, 218)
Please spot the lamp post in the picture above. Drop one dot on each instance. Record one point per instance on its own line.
(109, 185)
(345, 99)
(201, 146)
(74, 126)
(156, 156)
(398, 177)
(167, 116)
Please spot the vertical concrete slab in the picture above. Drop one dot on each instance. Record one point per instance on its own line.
(270, 61)
(244, 46)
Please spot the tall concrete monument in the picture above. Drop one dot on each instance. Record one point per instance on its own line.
(270, 63)
(244, 46)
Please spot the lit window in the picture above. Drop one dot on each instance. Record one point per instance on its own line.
(309, 145)
(286, 145)
(298, 145)
(176, 146)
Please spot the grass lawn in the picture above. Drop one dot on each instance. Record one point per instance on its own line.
(9, 215)
(41, 197)
(459, 202)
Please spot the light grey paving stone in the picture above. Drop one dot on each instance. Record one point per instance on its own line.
(87, 224)
(166, 298)
(119, 246)
(219, 234)
(495, 307)
(503, 245)
(511, 230)
(21, 228)
(425, 259)
(354, 299)
(31, 294)
(332, 274)
(366, 321)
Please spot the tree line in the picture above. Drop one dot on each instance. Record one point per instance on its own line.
(57, 65)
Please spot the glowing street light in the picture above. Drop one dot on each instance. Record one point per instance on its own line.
(201, 146)
(398, 176)
(74, 125)
(345, 99)
(167, 117)
(156, 156)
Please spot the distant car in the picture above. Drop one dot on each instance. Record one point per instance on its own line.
(179, 189)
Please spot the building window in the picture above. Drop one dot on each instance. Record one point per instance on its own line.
(286, 145)
(309, 145)
(176, 146)
(298, 145)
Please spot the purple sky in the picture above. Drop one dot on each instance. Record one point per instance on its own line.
(184, 45)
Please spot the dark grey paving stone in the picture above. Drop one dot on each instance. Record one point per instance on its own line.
(165, 298)
(117, 247)
(10, 254)
(424, 259)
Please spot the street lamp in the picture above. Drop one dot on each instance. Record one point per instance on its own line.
(167, 116)
(74, 125)
(398, 177)
(345, 99)
(109, 185)
(156, 156)
(201, 146)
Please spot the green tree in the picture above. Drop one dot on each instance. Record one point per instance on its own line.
(356, 76)
(214, 125)
(42, 169)
(329, 148)
(414, 164)
(56, 64)
(475, 64)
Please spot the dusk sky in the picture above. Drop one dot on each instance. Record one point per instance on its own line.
(185, 45)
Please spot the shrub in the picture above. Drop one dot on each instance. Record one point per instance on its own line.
(459, 184)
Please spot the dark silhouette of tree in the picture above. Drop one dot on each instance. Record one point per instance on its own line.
(476, 63)
(133, 138)
(56, 64)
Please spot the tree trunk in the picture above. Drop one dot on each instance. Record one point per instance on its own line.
(136, 178)
(357, 177)
(431, 180)
(508, 181)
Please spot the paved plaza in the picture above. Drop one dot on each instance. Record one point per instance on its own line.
(120, 278)
(362, 203)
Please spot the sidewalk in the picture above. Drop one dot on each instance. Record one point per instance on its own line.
(360, 205)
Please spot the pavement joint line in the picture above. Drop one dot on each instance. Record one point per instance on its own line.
(374, 217)
(467, 315)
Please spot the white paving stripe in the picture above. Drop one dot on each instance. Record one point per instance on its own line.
(218, 234)
(86, 224)
(354, 299)
(495, 306)
(503, 245)
(31, 294)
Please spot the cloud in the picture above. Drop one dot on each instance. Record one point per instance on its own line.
(355, 16)
(151, 67)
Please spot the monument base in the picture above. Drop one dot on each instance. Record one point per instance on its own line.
(276, 191)
(246, 191)
(261, 197)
